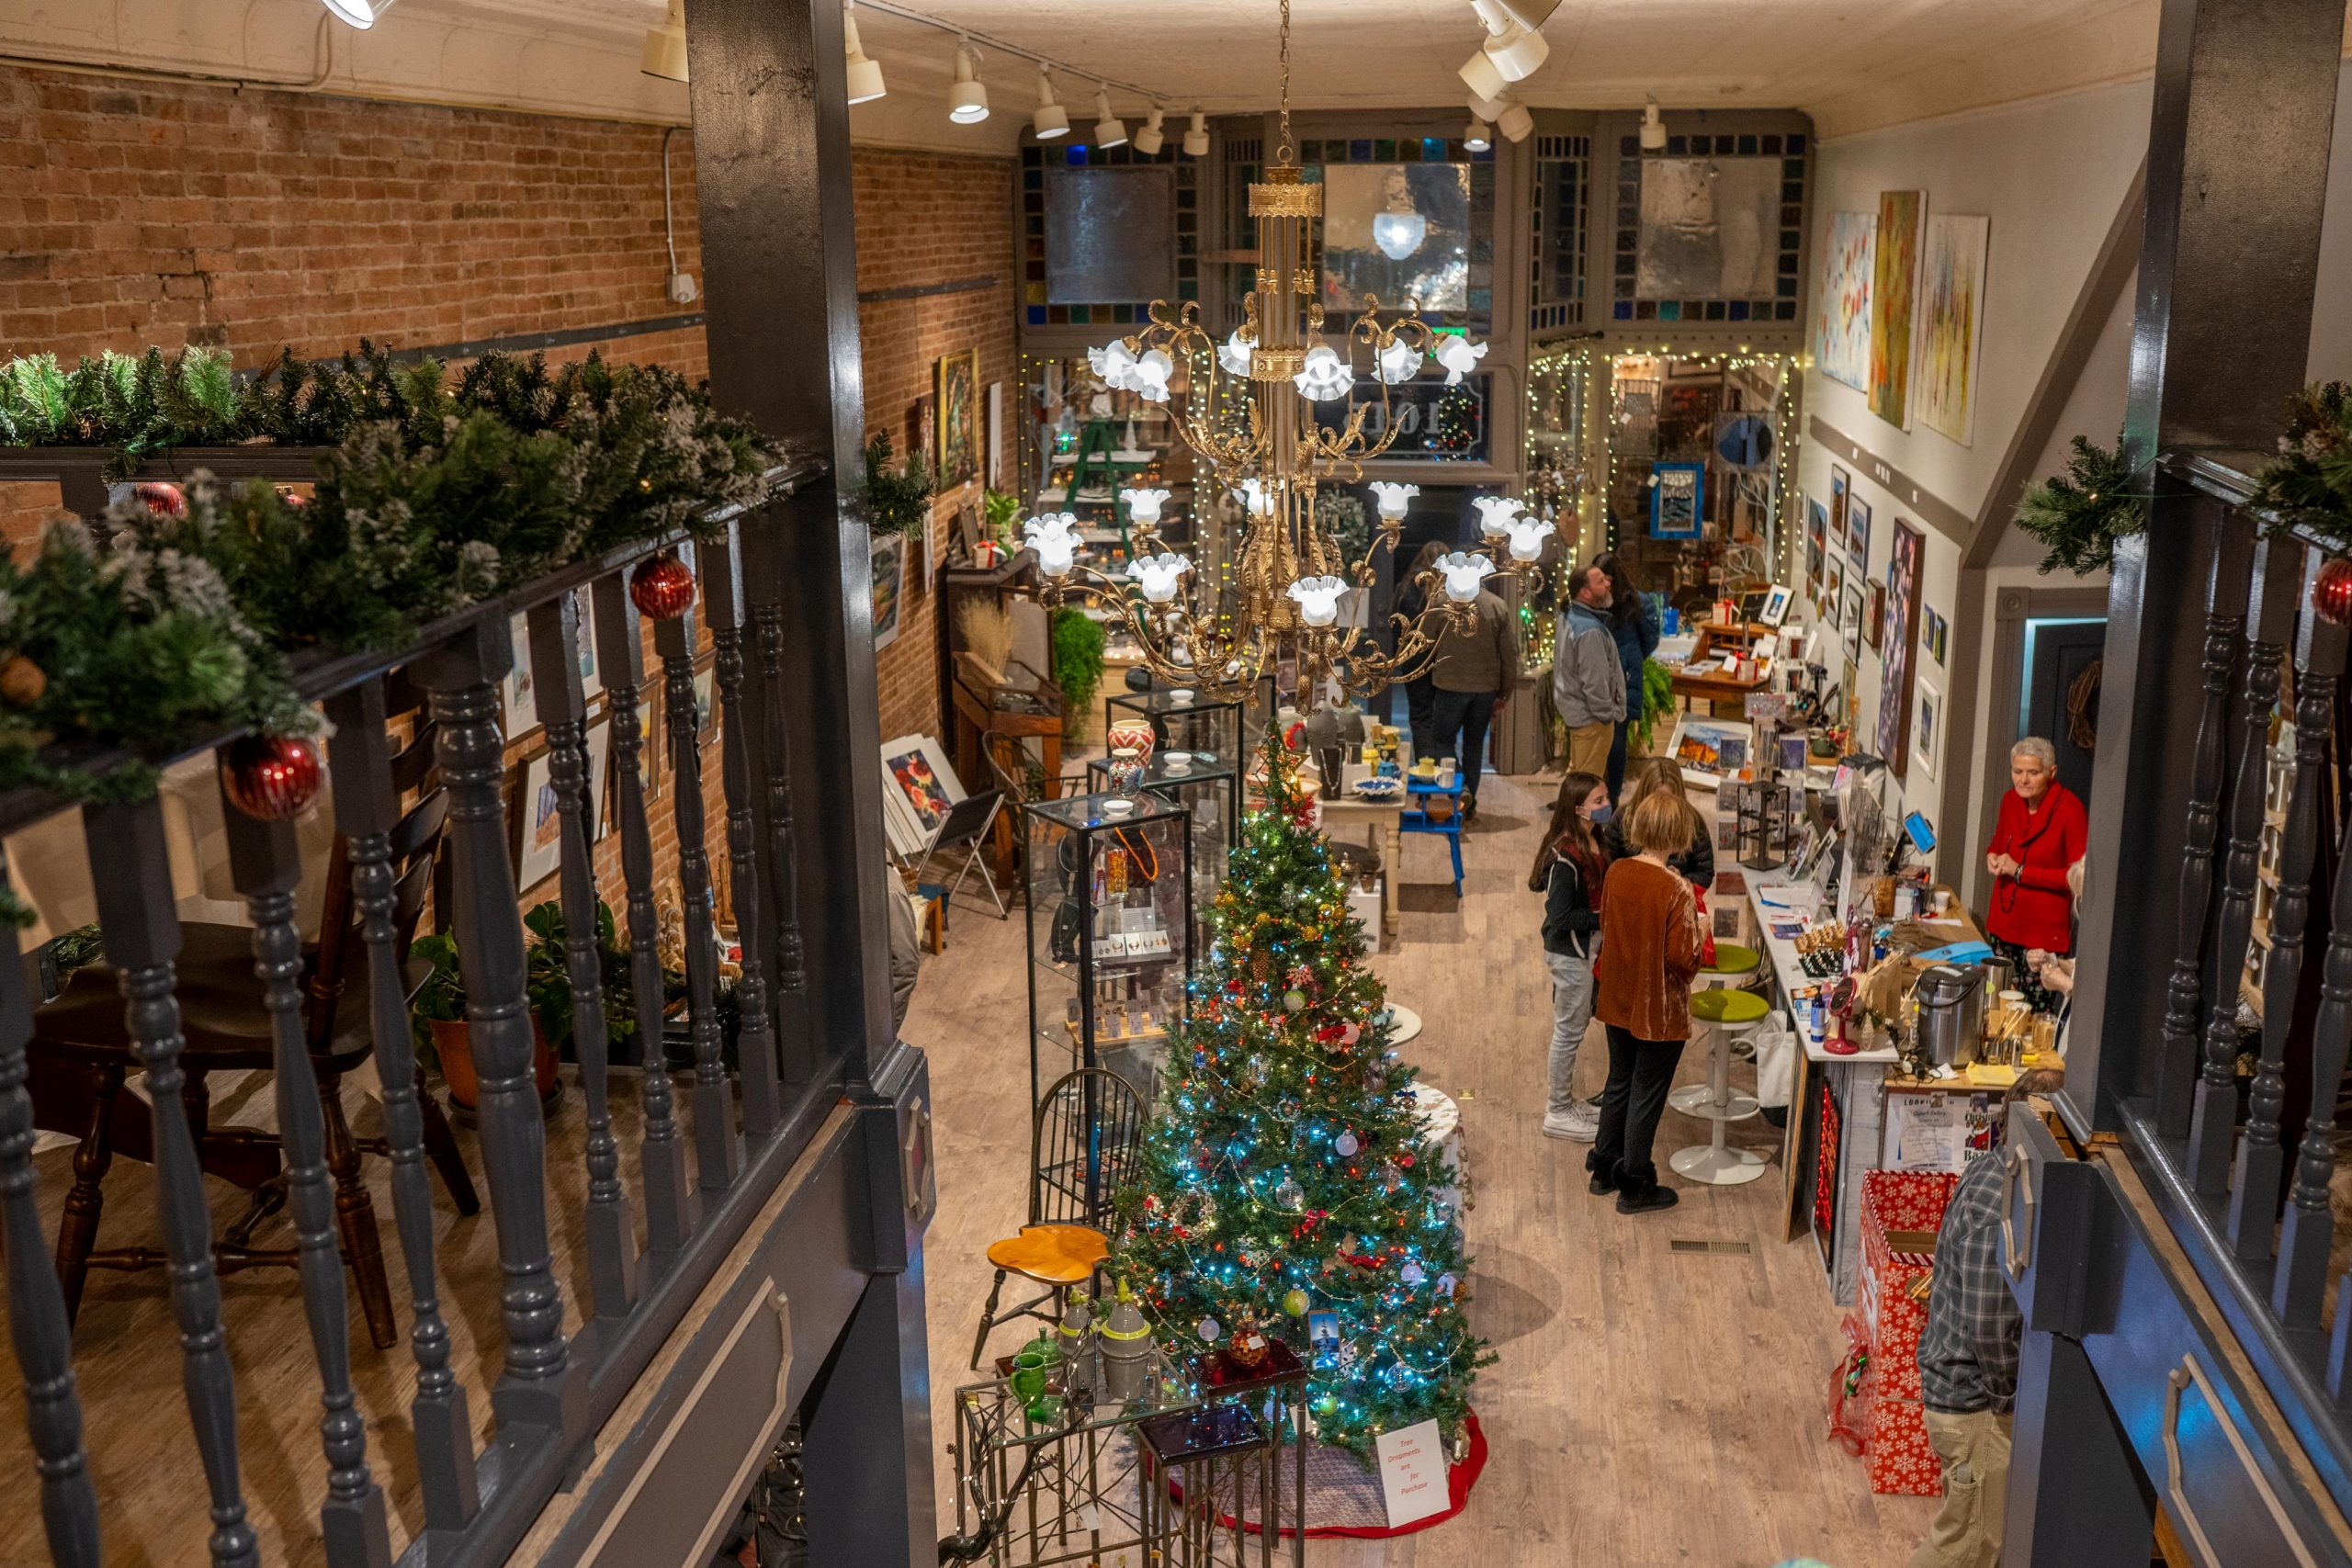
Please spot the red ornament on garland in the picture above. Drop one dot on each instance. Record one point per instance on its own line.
(271, 777)
(162, 499)
(663, 587)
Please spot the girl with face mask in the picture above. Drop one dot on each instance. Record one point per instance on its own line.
(1569, 865)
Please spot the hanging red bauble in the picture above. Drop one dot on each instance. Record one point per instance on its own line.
(271, 777)
(165, 501)
(663, 587)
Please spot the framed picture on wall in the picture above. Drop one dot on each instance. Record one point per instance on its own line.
(1833, 592)
(1902, 621)
(1873, 611)
(1851, 621)
(1933, 632)
(1858, 531)
(1816, 538)
(956, 385)
(1677, 500)
(1926, 729)
(1841, 490)
(890, 563)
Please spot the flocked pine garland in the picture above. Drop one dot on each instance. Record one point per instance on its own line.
(2309, 483)
(2102, 497)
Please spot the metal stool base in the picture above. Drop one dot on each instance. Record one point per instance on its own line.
(1716, 1166)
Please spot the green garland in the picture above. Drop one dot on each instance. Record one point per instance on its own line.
(2079, 515)
(898, 497)
(2309, 483)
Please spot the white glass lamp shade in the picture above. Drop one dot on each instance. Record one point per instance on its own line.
(967, 97)
(1327, 376)
(1144, 505)
(865, 75)
(1318, 599)
(665, 46)
(365, 13)
(1110, 130)
(1462, 571)
(1115, 362)
(1477, 136)
(1527, 535)
(1516, 123)
(1495, 513)
(1400, 234)
(1517, 53)
(1151, 138)
(1392, 499)
(1254, 497)
(1233, 355)
(1054, 536)
(1459, 355)
(1157, 575)
(1653, 129)
(1196, 139)
(1399, 362)
(1150, 374)
(1049, 119)
(1482, 76)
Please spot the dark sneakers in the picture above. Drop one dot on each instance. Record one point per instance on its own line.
(1605, 1177)
(1631, 1202)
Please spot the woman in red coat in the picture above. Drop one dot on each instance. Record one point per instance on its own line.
(2042, 832)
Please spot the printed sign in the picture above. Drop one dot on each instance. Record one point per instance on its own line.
(1412, 1474)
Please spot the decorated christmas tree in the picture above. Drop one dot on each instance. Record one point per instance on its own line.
(1285, 1177)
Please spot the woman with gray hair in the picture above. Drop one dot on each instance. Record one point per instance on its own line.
(2041, 832)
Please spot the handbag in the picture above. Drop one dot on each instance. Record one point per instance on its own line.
(1706, 926)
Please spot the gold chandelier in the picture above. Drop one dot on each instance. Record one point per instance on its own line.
(1291, 569)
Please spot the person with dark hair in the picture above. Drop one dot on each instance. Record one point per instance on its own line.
(1420, 692)
(1635, 628)
(1650, 944)
(1472, 671)
(1569, 866)
(1588, 678)
(1968, 1359)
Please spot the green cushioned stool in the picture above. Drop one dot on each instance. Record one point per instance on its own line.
(1726, 1014)
(1733, 959)
(1728, 1007)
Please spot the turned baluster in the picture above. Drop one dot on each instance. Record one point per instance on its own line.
(2270, 619)
(620, 658)
(2226, 589)
(367, 809)
(722, 598)
(265, 865)
(36, 1322)
(555, 631)
(130, 874)
(771, 734)
(536, 1388)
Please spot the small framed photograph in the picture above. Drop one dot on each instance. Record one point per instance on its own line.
(1934, 631)
(1322, 1332)
(1926, 729)
(1858, 531)
(1792, 753)
(1776, 605)
(1873, 611)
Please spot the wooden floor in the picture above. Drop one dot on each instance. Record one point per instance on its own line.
(1650, 1407)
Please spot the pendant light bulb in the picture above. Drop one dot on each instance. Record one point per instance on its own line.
(1110, 130)
(1653, 128)
(1196, 141)
(365, 13)
(1477, 136)
(665, 46)
(1050, 119)
(864, 77)
(967, 100)
(1151, 138)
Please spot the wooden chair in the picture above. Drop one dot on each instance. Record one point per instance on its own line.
(1085, 1141)
(81, 1057)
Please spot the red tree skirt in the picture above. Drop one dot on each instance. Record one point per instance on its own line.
(1345, 1499)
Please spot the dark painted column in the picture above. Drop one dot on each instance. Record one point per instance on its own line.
(2078, 1498)
(2237, 177)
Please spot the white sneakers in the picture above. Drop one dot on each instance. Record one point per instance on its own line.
(1582, 1122)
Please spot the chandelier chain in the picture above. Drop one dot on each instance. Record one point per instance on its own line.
(1285, 151)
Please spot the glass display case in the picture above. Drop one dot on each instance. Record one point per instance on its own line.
(1211, 792)
(1110, 927)
(1182, 720)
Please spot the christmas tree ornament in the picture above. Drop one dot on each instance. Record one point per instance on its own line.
(1391, 1178)
(1208, 1328)
(1290, 1196)
(1249, 1347)
(1345, 1145)
(1294, 1302)
(162, 499)
(22, 681)
(1445, 1283)
(662, 589)
(1293, 1001)
(270, 777)
(1411, 1274)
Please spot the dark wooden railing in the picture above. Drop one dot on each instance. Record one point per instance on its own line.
(552, 1390)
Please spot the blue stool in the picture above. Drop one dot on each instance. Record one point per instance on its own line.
(1420, 821)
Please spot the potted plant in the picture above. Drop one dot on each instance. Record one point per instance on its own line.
(1077, 643)
(440, 1007)
(548, 982)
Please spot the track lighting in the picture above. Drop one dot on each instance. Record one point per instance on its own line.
(1653, 128)
(1196, 141)
(1477, 136)
(1151, 138)
(1110, 130)
(665, 46)
(967, 100)
(1482, 76)
(1517, 53)
(365, 13)
(1515, 123)
(865, 75)
(1050, 119)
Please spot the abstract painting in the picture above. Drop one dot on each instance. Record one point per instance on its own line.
(1894, 272)
(1951, 322)
(1894, 686)
(1841, 327)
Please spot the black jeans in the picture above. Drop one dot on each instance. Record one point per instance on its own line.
(1460, 720)
(1640, 1072)
(1616, 779)
(1420, 704)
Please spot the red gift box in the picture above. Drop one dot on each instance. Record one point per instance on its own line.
(1903, 1463)
(1901, 1212)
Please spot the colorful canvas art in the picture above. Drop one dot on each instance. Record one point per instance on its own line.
(1895, 274)
(1816, 535)
(1895, 690)
(956, 389)
(1951, 323)
(1841, 326)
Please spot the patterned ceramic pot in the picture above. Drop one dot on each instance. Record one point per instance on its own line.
(1130, 734)
(1127, 770)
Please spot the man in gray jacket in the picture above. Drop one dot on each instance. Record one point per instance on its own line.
(1588, 678)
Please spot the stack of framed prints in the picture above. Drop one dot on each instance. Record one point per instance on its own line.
(919, 789)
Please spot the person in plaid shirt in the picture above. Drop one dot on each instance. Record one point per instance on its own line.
(1968, 1363)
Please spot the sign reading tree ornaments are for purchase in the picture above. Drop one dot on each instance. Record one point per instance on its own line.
(1286, 1175)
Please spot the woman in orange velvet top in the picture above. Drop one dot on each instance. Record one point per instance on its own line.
(2042, 830)
(1650, 944)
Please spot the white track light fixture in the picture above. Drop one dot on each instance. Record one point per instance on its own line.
(1196, 141)
(1477, 136)
(1051, 120)
(865, 75)
(665, 46)
(967, 100)
(1515, 122)
(1653, 128)
(1151, 138)
(365, 13)
(1110, 130)
(1517, 53)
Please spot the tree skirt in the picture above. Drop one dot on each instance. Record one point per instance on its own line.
(1343, 1498)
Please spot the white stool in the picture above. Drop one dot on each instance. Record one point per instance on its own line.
(1727, 1014)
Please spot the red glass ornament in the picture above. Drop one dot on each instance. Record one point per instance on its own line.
(162, 499)
(271, 777)
(663, 587)
(2332, 591)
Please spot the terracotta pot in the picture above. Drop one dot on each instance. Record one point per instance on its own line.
(453, 1041)
(1132, 733)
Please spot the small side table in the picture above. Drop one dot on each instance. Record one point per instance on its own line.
(1424, 821)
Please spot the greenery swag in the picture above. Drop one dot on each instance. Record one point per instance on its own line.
(898, 497)
(2080, 515)
(2309, 483)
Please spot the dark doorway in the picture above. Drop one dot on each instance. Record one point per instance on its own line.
(2060, 697)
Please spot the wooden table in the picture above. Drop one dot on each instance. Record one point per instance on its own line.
(1387, 837)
